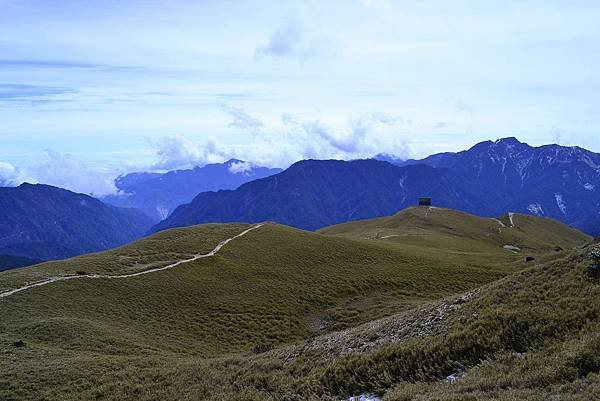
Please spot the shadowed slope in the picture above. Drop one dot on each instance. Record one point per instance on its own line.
(312, 194)
(45, 222)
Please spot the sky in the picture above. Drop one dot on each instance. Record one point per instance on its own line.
(90, 90)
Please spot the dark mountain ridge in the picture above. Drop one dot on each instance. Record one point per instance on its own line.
(45, 222)
(551, 180)
(158, 194)
(316, 193)
(490, 179)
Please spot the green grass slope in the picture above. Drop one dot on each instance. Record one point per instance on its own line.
(451, 229)
(156, 251)
(201, 329)
(534, 335)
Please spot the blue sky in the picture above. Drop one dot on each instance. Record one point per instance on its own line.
(92, 89)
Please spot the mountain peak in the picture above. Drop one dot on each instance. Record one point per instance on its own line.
(511, 140)
(158, 195)
(41, 187)
(502, 144)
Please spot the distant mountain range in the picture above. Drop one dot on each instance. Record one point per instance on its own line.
(489, 179)
(45, 222)
(158, 195)
(41, 222)
(553, 181)
(316, 193)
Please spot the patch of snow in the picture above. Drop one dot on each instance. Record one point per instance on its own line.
(521, 165)
(163, 212)
(390, 236)
(560, 202)
(401, 181)
(455, 377)
(511, 217)
(588, 160)
(536, 209)
(83, 202)
(512, 248)
(589, 187)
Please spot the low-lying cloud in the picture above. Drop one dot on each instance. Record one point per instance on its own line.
(10, 175)
(178, 152)
(64, 171)
(363, 136)
(280, 145)
(241, 167)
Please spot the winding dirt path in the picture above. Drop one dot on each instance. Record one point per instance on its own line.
(172, 265)
(500, 223)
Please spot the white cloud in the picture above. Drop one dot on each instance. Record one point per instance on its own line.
(285, 41)
(363, 136)
(241, 167)
(292, 40)
(280, 145)
(10, 175)
(178, 152)
(524, 67)
(65, 171)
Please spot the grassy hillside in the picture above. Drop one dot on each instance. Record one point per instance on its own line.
(531, 336)
(451, 229)
(275, 304)
(156, 251)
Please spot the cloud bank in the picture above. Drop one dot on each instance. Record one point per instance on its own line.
(64, 171)
(177, 152)
(10, 175)
(279, 144)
